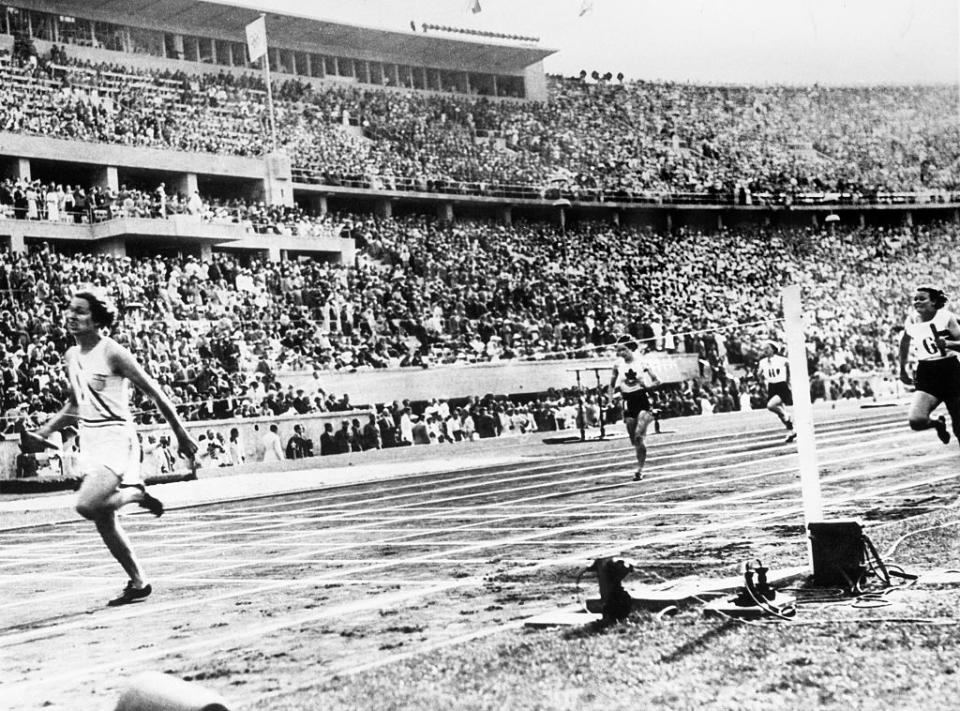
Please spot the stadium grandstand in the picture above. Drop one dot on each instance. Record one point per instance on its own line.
(431, 199)
(233, 238)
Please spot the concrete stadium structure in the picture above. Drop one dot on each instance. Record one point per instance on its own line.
(199, 37)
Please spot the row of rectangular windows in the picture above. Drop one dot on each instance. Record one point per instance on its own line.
(67, 29)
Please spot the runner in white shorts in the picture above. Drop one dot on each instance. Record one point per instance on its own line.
(99, 370)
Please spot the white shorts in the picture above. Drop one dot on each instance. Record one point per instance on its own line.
(114, 447)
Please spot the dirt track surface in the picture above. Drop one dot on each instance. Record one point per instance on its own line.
(260, 599)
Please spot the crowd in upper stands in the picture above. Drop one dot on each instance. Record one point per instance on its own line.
(624, 140)
(218, 334)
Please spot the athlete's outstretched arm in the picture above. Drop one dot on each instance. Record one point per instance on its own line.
(904, 354)
(953, 343)
(66, 415)
(123, 363)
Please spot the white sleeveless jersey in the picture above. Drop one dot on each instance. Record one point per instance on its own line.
(102, 396)
(923, 344)
(108, 435)
(630, 375)
(773, 369)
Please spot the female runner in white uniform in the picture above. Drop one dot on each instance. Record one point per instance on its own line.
(932, 338)
(99, 369)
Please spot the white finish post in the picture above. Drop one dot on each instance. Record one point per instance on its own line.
(802, 409)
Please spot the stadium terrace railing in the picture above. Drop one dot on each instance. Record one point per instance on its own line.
(559, 194)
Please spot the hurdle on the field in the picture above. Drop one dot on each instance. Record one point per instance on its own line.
(603, 412)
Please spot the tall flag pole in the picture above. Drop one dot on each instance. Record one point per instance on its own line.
(257, 49)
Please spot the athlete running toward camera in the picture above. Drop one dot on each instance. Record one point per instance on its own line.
(628, 372)
(774, 372)
(99, 370)
(931, 336)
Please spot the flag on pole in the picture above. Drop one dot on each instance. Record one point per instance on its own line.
(475, 7)
(257, 38)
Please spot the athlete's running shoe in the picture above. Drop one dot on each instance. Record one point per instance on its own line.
(130, 594)
(150, 503)
(638, 476)
(790, 437)
(940, 425)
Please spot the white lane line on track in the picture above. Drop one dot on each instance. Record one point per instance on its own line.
(70, 677)
(268, 511)
(384, 600)
(447, 515)
(754, 437)
(349, 667)
(271, 560)
(256, 531)
(330, 561)
(485, 545)
(759, 435)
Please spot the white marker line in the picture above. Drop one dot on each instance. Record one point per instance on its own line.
(447, 514)
(382, 542)
(345, 611)
(496, 544)
(225, 532)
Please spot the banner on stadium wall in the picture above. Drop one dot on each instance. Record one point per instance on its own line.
(257, 38)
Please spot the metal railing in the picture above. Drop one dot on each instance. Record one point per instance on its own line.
(314, 176)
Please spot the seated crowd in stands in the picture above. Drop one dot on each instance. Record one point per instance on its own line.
(34, 200)
(590, 140)
(219, 334)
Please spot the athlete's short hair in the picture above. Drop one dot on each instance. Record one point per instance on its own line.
(102, 309)
(937, 297)
(628, 342)
(773, 344)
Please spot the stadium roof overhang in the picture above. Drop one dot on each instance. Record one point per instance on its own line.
(418, 48)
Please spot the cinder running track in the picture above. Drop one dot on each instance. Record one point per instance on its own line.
(257, 597)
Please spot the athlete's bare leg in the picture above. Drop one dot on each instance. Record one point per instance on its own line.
(921, 407)
(953, 407)
(776, 406)
(98, 500)
(639, 440)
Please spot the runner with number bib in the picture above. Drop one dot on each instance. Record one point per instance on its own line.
(931, 337)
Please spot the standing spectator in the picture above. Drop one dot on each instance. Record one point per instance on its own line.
(328, 444)
(153, 459)
(272, 447)
(235, 447)
(160, 202)
(342, 438)
(371, 438)
(259, 448)
(298, 447)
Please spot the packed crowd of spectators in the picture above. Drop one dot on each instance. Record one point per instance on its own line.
(621, 140)
(424, 293)
(35, 200)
